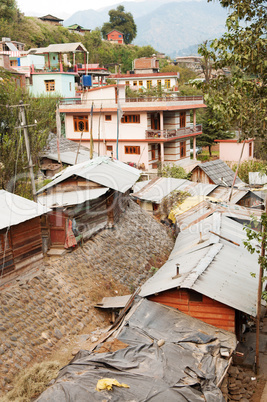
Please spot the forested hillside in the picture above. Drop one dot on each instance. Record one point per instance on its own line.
(36, 33)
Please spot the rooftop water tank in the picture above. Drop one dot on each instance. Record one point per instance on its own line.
(87, 80)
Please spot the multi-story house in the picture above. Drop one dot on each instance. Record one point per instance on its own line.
(150, 130)
(146, 81)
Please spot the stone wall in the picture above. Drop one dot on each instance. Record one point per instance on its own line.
(57, 301)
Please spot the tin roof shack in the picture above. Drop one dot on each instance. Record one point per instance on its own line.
(70, 153)
(215, 172)
(87, 197)
(150, 194)
(208, 274)
(185, 363)
(20, 235)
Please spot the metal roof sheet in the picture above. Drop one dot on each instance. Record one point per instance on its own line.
(15, 209)
(211, 265)
(60, 199)
(219, 172)
(158, 188)
(114, 302)
(102, 170)
(60, 48)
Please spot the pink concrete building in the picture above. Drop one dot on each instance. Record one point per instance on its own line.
(148, 132)
(230, 150)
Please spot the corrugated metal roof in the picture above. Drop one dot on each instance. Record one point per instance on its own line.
(68, 150)
(114, 302)
(102, 170)
(211, 265)
(15, 209)
(60, 48)
(161, 187)
(219, 172)
(68, 198)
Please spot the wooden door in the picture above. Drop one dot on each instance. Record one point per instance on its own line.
(182, 119)
(57, 223)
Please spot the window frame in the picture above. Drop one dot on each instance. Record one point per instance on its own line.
(140, 83)
(149, 84)
(130, 119)
(168, 83)
(132, 149)
(109, 148)
(80, 119)
(108, 117)
(50, 85)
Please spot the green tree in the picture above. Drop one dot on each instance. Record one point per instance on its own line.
(241, 96)
(40, 114)
(214, 127)
(121, 21)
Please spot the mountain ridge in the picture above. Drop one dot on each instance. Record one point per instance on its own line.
(172, 28)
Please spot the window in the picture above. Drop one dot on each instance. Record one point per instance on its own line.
(149, 84)
(132, 150)
(50, 85)
(182, 149)
(131, 118)
(127, 83)
(108, 117)
(109, 147)
(167, 83)
(135, 83)
(13, 63)
(159, 84)
(120, 36)
(80, 123)
(140, 83)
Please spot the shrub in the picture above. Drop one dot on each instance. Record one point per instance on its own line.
(250, 166)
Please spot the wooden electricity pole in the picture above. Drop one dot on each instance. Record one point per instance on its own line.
(23, 124)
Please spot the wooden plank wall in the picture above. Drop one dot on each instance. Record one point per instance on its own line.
(207, 310)
(6, 254)
(27, 243)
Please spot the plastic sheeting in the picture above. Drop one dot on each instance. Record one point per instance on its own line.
(186, 367)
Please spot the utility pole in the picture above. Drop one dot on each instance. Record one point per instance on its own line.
(23, 124)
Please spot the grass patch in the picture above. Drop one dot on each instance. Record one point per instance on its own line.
(31, 382)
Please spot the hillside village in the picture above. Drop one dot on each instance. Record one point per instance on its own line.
(129, 282)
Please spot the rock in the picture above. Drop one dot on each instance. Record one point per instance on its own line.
(160, 342)
(58, 334)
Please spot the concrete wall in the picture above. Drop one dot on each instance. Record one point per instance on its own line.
(64, 84)
(231, 151)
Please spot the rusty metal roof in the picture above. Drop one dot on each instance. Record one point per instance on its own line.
(15, 209)
(210, 265)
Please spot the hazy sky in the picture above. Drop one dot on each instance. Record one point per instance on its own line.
(60, 8)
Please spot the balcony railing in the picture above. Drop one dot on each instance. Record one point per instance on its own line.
(179, 132)
(172, 98)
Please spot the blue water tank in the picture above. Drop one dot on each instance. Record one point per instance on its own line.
(87, 80)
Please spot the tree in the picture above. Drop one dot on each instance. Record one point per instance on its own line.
(214, 127)
(40, 114)
(121, 21)
(241, 95)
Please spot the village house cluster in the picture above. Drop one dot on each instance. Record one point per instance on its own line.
(204, 294)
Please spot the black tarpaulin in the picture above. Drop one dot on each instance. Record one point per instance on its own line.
(186, 367)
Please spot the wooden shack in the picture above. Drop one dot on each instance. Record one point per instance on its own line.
(20, 235)
(199, 306)
(208, 275)
(86, 198)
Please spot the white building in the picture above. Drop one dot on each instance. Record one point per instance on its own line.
(149, 132)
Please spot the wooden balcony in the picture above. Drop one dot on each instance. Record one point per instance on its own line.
(179, 132)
